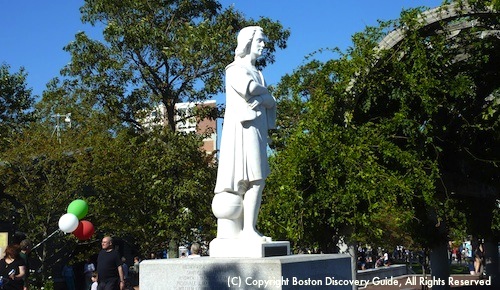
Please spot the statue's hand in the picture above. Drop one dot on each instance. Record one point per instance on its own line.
(243, 186)
(268, 101)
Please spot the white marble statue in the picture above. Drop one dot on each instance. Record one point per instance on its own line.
(243, 164)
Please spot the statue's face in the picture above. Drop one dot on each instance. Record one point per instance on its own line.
(258, 44)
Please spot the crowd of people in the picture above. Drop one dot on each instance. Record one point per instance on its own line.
(463, 254)
(370, 258)
(110, 270)
(374, 258)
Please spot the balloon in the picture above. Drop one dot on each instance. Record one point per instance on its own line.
(78, 207)
(68, 222)
(84, 231)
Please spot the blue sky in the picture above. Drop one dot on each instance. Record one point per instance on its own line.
(33, 32)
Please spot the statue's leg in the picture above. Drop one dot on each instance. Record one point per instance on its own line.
(251, 207)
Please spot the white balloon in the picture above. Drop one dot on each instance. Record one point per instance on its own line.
(68, 223)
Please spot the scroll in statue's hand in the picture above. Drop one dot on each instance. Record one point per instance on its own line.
(254, 102)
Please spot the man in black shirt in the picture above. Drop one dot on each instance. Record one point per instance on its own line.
(109, 270)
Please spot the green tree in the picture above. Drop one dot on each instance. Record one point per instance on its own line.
(146, 189)
(150, 186)
(35, 177)
(335, 178)
(367, 143)
(16, 103)
(156, 53)
(153, 53)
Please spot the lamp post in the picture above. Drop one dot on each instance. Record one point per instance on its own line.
(57, 128)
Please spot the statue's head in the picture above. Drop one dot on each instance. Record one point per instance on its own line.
(245, 38)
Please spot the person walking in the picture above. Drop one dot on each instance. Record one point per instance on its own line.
(109, 267)
(479, 260)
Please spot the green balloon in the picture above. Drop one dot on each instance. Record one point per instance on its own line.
(78, 207)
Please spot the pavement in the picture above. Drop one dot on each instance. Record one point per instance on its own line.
(418, 282)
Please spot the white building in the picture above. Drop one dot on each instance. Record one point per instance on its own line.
(186, 122)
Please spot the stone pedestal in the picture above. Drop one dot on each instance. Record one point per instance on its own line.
(331, 271)
(240, 248)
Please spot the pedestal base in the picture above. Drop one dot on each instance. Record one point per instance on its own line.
(331, 271)
(240, 248)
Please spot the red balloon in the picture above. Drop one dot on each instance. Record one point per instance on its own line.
(84, 231)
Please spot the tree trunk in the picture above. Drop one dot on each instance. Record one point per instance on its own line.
(440, 267)
(173, 249)
(491, 260)
(353, 252)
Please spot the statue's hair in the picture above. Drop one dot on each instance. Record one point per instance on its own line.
(245, 37)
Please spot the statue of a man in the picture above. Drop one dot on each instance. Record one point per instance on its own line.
(250, 113)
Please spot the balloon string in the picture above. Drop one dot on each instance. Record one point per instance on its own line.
(44, 240)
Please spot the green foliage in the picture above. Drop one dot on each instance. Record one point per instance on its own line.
(168, 186)
(36, 190)
(16, 102)
(371, 146)
(149, 186)
(146, 189)
(156, 53)
(48, 285)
